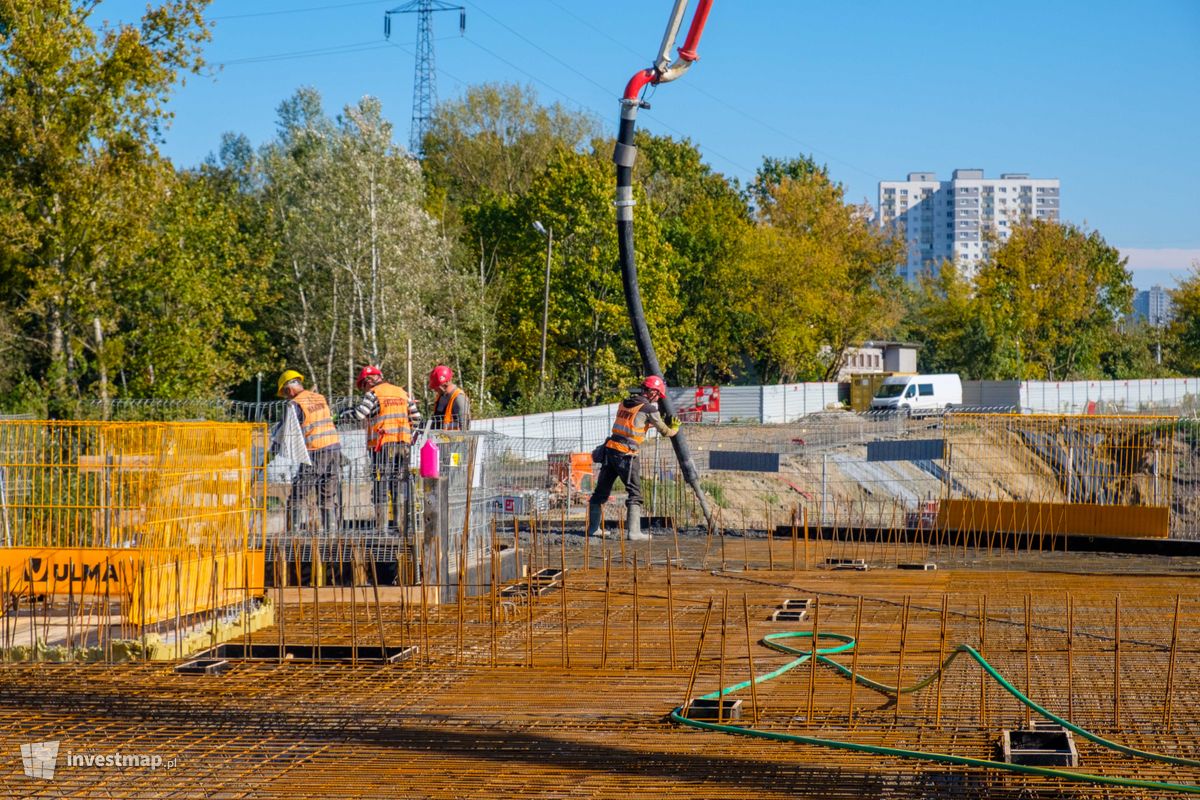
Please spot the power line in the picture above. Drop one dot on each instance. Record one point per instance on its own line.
(594, 82)
(351, 47)
(722, 101)
(294, 10)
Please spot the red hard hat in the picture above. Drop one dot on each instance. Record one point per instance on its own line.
(369, 371)
(441, 374)
(655, 383)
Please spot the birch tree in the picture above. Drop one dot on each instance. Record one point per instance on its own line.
(360, 264)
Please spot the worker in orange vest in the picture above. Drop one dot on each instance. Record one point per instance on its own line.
(452, 409)
(618, 455)
(323, 473)
(390, 415)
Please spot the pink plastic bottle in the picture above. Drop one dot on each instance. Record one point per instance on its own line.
(429, 459)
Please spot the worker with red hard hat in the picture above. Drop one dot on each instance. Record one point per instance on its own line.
(390, 414)
(452, 409)
(618, 455)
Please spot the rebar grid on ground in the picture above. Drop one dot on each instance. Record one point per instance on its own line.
(453, 721)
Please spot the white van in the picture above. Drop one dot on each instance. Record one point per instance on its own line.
(918, 393)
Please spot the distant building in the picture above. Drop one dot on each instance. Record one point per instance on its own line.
(879, 357)
(946, 220)
(1154, 306)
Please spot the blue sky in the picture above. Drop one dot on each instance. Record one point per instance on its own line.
(1104, 96)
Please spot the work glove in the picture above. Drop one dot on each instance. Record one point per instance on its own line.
(675, 424)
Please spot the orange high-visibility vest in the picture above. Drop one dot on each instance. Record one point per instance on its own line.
(449, 423)
(626, 435)
(316, 423)
(391, 425)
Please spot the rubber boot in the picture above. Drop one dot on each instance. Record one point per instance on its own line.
(594, 513)
(381, 519)
(633, 525)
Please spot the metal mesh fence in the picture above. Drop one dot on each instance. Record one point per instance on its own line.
(828, 467)
(161, 486)
(1115, 461)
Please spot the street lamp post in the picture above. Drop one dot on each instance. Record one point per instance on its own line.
(549, 234)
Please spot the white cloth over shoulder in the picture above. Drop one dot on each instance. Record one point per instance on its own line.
(287, 440)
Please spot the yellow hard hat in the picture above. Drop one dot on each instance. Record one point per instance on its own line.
(286, 377)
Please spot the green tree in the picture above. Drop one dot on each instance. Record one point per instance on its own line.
(773, 171)
(1049, 298)
(1130, 351)
(360, 266)
(946, 320)
(191, 299)
(822, 279)
(590, 351)
(79, 170)
(1183, 333)
(705, 220)
(495, 139)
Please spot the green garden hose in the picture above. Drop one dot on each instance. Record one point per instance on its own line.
(847, 643)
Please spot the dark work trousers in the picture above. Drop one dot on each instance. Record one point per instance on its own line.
(324, 478)
(623, 466)
(389, 477)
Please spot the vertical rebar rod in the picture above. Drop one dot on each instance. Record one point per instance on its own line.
(854, 661)
(317, 579)
(793, 539)
(1070, 657)
(566, 645)
(1170, 690)
(621, 537)
(900, 656)
(383, 656)
(670, 614)
(750, 660)
(983, 710)
(941, 658)
(770, 542)
(1028, 654)
(493, 592)
(721, 663)
(806, 561)
(687, 699)
(279, 581)
(812, 660)
(353, 605)
(1117, 663)
(529, 597)
(607, 593)
(637, 639)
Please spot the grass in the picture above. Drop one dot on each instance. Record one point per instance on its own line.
(716, 491)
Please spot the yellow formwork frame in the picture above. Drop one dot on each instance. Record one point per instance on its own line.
(158, 514)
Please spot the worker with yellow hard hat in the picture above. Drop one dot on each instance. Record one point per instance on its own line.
(308, 412)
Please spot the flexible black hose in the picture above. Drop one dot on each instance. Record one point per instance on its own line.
(633, 296)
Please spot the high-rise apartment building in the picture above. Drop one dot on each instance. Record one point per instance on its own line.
(947, 220)
(1154, 306)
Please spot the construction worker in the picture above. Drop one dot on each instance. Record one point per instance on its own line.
(452, 409)
(390, 414)
(309, 412)
(618, 456)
